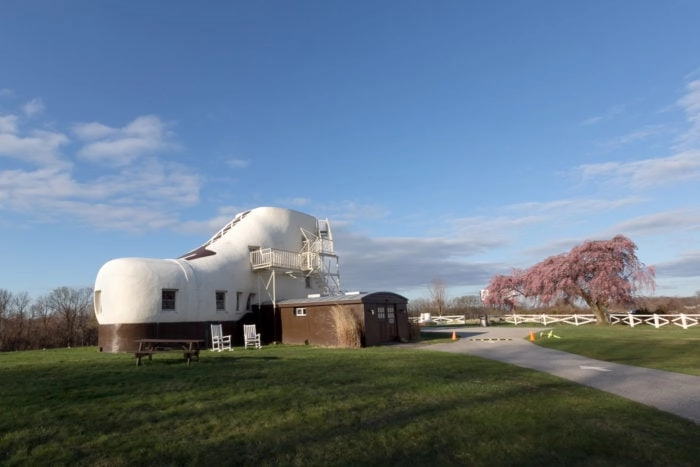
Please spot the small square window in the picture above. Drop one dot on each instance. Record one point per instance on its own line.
(167, 301)
(220, 301)
(300, 312)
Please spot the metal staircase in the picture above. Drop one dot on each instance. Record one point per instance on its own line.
(316, 262)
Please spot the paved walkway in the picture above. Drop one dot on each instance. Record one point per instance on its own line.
(672, 392)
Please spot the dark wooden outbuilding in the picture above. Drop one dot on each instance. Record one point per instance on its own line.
(381, 317)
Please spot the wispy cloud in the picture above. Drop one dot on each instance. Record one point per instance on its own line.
(687, 264)
(609, 114)
(8, 124)
(121, 146)
(575, 206)
(5, 92)
(675, 220)
(646, 173)
(145, 194)
(641, 134)
(36, 146)
(690, 103)
(296, 202)
(208, 227)
(235, 163)
(387, 263)
(33, 107)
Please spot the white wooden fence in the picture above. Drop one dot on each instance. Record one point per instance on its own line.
(683, 320)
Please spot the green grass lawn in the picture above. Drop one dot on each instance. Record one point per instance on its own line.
(296, 405)
(669, 348)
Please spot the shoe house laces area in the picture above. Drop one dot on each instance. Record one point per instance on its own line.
(262, 255)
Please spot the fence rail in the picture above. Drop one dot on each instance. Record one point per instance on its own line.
(683, 320)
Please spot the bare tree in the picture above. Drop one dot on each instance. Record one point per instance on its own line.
(438, 296)
(418, 306)
(19, 324)
(467, 304)
(71, 306)
(5, 300)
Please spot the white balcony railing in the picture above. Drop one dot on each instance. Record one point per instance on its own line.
(267, 258)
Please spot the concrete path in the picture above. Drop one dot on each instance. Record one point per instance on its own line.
(671, 392)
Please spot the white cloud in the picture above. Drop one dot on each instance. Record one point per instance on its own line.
(237, 163)
(572, 206)
(93, 131)
(690, 103)
(40, 147)
(8, 124)
(646, 173)
(33, 107)
(22, 189)
(371, 263)
(145, 194)
(640, 134)
(665, 222)
(210, 226)
(297, 202)
(686, 264)
(609, 114)
(120, 146)
(5, 92)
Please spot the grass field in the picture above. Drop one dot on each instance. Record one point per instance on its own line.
(670, 348)
(296, 405)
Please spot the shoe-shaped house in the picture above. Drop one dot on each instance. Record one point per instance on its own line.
(263, 255)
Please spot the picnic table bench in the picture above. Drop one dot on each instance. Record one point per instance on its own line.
(148, 347)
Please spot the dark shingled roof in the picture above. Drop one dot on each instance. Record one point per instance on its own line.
(347, 298)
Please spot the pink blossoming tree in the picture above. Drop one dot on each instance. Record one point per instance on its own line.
(599, 273)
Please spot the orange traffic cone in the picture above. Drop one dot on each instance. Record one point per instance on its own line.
(532, 336)
(454, 335)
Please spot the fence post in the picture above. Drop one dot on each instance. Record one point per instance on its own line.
(683, 322)
(631, 318)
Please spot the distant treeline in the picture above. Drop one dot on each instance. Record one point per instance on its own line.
(62, 318)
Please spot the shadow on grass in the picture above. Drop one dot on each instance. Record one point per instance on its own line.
(299, 406)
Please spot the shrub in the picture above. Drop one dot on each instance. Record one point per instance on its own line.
(348, 328)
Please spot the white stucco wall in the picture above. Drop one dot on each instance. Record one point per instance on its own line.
(129, 290)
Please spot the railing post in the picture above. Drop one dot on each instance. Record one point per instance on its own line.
(631, 318)
(683, 321)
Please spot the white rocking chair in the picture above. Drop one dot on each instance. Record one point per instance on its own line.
(250, 336)
(219, 342)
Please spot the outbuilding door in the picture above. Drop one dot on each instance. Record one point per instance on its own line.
(388, 330)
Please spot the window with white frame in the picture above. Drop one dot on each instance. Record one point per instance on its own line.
(299, 311)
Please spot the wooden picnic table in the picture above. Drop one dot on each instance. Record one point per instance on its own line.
(147, 347)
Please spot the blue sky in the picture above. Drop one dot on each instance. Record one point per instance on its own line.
(446, 140)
